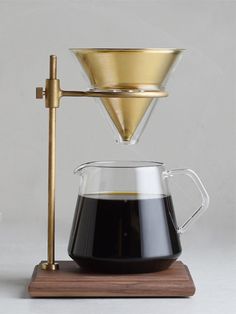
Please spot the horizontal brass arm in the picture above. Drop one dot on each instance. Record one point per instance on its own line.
(115, 94)
(53, 93)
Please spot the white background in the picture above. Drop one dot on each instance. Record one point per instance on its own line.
(194, 128)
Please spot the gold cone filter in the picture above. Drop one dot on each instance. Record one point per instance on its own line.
(126, 114)
(127, 69)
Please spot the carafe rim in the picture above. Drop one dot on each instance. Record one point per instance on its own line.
(131, 164)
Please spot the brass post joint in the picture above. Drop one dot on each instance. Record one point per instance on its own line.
(53, 93)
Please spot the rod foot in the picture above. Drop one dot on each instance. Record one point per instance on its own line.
(49, 266)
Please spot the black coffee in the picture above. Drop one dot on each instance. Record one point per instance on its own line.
(124, 233)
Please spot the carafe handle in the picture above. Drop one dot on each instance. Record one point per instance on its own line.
(205, 197)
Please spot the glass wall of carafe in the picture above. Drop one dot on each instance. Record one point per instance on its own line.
(124, 220)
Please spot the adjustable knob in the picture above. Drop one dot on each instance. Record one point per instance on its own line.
(39, 92)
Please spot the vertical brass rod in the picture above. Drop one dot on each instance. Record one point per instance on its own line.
(50, 264)
(52, 169)
(51, 185)
(53, 67)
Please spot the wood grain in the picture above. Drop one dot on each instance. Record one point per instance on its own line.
(71, 281)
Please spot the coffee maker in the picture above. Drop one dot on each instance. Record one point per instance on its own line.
(125, 238)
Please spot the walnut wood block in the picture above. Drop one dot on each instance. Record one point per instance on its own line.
(71, 281)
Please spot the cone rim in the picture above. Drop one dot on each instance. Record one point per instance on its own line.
(151, 50)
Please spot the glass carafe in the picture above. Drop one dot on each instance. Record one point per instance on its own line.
(124, 220)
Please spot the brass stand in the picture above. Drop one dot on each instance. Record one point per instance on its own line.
(69, 280)
(53, 94)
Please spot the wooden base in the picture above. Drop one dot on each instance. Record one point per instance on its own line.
(71, 281)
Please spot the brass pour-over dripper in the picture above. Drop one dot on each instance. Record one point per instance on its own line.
(118, 70)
